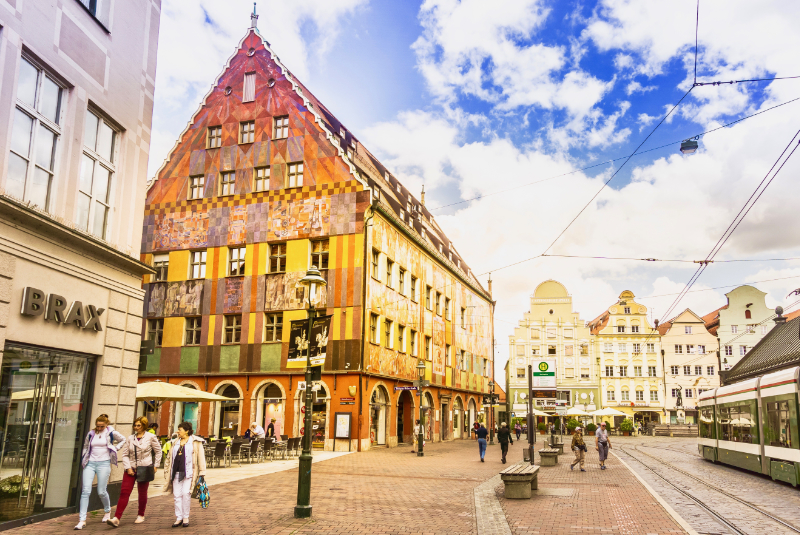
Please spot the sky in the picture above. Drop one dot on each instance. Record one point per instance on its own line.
(511, 112)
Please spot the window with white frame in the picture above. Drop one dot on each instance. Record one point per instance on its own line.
(651, 348)
(373, 328)
(689, 392)
(608, 347)
(161, 265)
(97, 175)
(637, 371)
(387, 332)
(273, 327)
(428, 301)
(623, 348)
(709, 370)
(634, 328)
(236, 258)
(728, 350)
(627, 310)
(249, 87)
(701, 350)
(280, 127)
(401, 338)
(609, 395)
(763, 329)
(448, 354)
(675, 392)
(620, 328)
(427, 348)
(651, 371)
(413, 293)
(520, 373)
(551, 332)
(412, 338)
(35, 135)
(698, 370)
(687, 329)
(389, 272)
(261, 179)
(623, 371)
(277, 258)
(446, 308)
(568, 350)
(637, 348)
(609, 371)
(438, 303)
(214, 137)
(653, 395)
(734, 329)
(193, 328)
(678, 349)
(233, 329)
(196, 186)
(584, 373)
(227, 183)
(247, 132)
(295, 177)
(155, 330)
(674, 370)
(640, 395)
(690, 349)
(197, 264)
(568, 332)
(742, 350)
(687, 370)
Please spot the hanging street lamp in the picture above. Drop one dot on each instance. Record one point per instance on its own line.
(690, 146)
(313, 286)
(420, 383)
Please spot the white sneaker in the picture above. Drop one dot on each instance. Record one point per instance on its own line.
(139, 520)
(80, 525)
(106, 517)
(114, 522)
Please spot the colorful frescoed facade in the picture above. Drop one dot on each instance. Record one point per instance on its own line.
(263, 183)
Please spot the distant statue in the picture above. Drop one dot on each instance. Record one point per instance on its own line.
(679, 401)
(576, 399)
(591, 398)
(515, 396)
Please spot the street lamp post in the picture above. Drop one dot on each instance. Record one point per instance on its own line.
(311, 283)
(491, 411)
(420, 382)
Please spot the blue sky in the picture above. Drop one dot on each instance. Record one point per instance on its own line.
(473, 97)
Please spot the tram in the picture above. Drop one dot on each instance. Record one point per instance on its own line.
(753, 425)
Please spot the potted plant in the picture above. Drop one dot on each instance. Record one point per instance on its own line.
(542, 426)
(590, 428)
(572, 423)
(626, 427)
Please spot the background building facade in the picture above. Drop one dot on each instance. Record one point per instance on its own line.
(691, 365)
(76, 99)
(264, 183)
(629, 351)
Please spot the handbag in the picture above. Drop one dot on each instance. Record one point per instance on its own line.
(200, 492)
(144, 474)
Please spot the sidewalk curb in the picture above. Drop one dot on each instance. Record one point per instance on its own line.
(678, 518)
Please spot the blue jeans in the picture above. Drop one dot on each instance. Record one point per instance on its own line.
(482, 446)
(103, 471)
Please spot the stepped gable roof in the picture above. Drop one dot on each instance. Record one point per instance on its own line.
(364, 166)
(780, 348)
(712, 320)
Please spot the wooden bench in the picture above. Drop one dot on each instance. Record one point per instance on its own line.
(548, 457)
(519, 480)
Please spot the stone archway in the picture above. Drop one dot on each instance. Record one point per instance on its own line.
(379, 416)
(268, 402)
(227, 415)
(320, 417)
(406, 416)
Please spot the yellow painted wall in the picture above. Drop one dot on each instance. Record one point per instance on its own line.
(173, 332)
(178, 266)
(297, 255)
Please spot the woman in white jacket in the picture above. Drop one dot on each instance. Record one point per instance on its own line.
(186, 462)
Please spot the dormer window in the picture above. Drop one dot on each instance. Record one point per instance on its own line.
(402, 215)
(423, 233)
(440, 248)
(342, 132)
(399, 188)
(408, 207)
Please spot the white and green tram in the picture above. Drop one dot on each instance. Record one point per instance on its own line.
(753, 425)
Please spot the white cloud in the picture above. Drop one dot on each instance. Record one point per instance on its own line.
(486, 50)
(636, 87)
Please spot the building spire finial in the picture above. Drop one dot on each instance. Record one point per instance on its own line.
(254, 18)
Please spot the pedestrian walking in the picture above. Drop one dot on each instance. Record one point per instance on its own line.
(271, 428)
(504, 437)
(602, 444)
(518, 429)
(142, 449)
(416, 437)
(475, 428)
(186, 462)
(99, 453)
(482, 433)
(579, 448)
(153, 429)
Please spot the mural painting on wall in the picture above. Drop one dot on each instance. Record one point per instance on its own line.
(300, 218)
(438, 346)
(233, 294)
(237, 225)
(181, 230)
(388, 362)
(175, 299)
(282, 292)
(397, 307)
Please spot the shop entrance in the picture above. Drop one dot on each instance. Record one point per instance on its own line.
(42, 420)
(319, 419)
(445, 421)
(405, 418)
(228, 415)
(378, 414)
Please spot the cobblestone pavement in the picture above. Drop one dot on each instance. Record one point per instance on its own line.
(392, 491)
(778, 499)
(596, 501)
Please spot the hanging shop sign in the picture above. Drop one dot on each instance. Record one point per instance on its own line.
(54, 308)
(299, 341)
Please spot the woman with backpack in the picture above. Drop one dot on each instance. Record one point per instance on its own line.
(185, 463)
(99, 453)
(143, 450)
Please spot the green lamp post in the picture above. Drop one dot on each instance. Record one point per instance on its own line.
(491, 412)
(420, 384)
(313, 284)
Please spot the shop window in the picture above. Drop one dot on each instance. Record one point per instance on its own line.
(35, 135)
(277, 258)
(233, 329)
(273, 327)
(193, 329)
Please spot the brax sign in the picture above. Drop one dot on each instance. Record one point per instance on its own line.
(54, 307)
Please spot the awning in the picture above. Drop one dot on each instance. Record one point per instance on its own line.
(161, 391)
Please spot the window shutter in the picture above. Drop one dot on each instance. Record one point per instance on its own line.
(249, 87)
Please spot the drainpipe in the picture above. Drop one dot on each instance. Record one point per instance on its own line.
(371, 210)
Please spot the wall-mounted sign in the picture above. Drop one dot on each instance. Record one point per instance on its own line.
(405, 388)
(54, 307)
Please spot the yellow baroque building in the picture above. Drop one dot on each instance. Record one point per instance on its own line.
(631, 367)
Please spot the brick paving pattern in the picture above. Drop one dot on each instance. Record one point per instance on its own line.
(392, 491)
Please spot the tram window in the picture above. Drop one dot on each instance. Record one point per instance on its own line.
(737, 424)
(779, 432)
(706, 423)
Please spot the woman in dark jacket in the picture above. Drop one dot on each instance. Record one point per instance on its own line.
(504, 437)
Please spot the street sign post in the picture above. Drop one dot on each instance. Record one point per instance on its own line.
(544, 379)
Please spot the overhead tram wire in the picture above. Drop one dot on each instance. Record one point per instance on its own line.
(606, 162)
(720, 287)
(671, 259)
(748, 205)
(700, 84)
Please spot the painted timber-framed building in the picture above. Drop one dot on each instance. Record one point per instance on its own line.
(264, 182)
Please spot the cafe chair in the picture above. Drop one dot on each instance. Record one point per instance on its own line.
(219, 453)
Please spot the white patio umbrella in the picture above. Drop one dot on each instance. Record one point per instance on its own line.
(608, 411)
(575, 411)
(161, 391)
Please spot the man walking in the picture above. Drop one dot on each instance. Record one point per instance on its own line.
(504, 436)
(415, 448)
(518, 429)
(579, 447)
(602, 444)
(482, 433)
